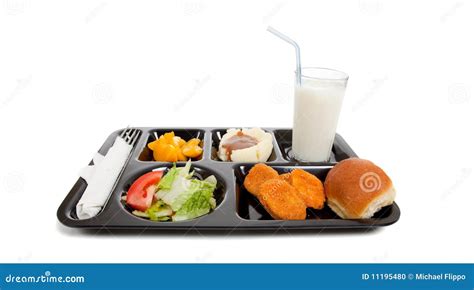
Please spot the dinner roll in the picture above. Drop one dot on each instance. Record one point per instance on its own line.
(357, 188)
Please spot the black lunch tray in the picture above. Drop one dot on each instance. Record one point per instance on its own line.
(236, 208)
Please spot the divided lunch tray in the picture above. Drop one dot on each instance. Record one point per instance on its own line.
(236, 208)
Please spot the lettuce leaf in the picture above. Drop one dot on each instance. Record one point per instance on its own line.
(167, 180)
(199, 203)
(184, 196)
(177, 188)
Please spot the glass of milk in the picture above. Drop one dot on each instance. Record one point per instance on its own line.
(318, 101)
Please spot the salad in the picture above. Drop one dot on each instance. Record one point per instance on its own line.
(175, 196)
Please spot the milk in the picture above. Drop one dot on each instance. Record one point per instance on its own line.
(316, 112)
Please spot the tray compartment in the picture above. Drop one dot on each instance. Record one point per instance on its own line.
(216, 136)
(199, 172)
(249, 208)
(146, 154)
(339, 152)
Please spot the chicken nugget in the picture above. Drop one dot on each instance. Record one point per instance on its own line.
(285, 177)
(309, 188)
(258, 175)
(281, 200)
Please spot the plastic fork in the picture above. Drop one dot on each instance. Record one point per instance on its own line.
(130, 135)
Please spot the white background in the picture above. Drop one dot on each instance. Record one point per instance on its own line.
(71, 72)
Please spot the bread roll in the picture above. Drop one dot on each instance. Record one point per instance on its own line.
(357, 188)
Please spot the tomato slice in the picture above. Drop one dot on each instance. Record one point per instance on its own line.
(140, 195)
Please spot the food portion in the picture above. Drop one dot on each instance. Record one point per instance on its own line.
(354, 189)
(245, 145)
(176, 195)
(357, 188)
(171, 148)
(281, 200)
(141, 193)
(309, 187)
(258, 175)
(285, 196)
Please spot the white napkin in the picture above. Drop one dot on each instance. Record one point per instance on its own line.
(101, 178)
